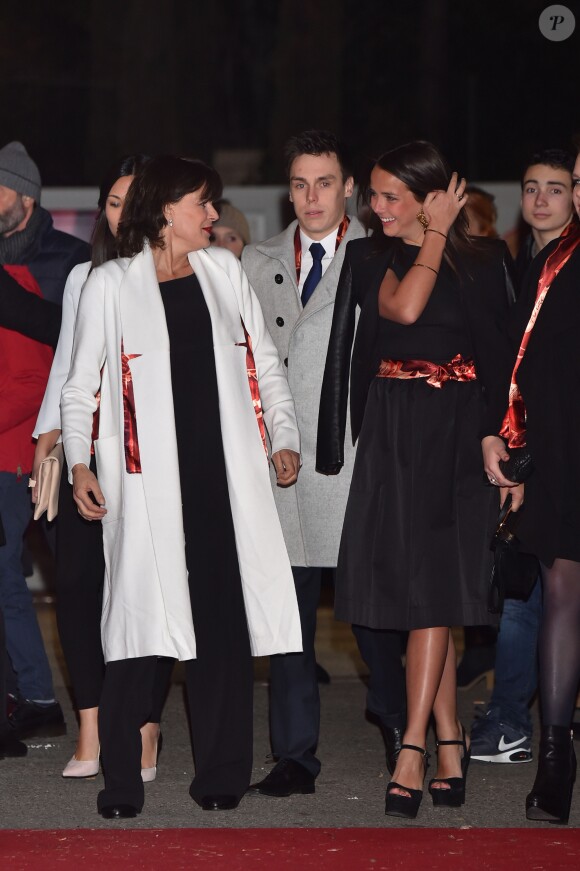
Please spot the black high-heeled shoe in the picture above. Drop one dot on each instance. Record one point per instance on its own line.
(454, 794)
(551, 795)
(405, 805)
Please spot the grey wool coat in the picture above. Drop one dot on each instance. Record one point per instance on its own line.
(311, 512)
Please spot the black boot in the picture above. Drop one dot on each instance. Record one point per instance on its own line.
(551, 794)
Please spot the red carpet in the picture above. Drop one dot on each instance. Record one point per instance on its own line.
(414, 849)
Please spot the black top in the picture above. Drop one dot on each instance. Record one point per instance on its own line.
(195, 401)
(440, 333)
(485, 292)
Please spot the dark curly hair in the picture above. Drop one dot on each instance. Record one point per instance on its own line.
(165, 179)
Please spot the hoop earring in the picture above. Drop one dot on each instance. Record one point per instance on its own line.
(422, 218)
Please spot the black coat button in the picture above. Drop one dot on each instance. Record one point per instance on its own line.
(280, 322)
(286, 362)
(278, 278)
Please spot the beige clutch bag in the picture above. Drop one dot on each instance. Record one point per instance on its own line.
(48, 483)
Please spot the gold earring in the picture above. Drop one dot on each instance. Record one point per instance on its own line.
(422, 218)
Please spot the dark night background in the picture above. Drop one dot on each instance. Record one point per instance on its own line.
(81, 82)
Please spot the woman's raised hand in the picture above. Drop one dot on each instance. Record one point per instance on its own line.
(442, 207)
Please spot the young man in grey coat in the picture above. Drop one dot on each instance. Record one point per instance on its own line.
(295, 276)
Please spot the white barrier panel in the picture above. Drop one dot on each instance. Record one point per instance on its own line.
(265, 207)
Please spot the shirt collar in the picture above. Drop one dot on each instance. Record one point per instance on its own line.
(328, 243)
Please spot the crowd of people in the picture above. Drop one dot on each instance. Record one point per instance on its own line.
(238, 417)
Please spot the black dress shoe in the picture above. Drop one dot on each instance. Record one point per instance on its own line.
(392, 736)
(475, 665)
(219, 802)
(393, 739)
(286, 778)
(118, 811)
(31, 720)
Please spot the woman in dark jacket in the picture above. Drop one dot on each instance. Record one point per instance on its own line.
(544, 419)
(425, 385)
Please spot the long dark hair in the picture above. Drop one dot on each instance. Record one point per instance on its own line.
(422, 167)
(163, 180)
(103, 242)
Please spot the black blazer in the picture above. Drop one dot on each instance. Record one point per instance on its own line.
(487, 293)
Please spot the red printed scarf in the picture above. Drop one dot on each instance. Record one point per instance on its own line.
(342, 228)
(514, 423)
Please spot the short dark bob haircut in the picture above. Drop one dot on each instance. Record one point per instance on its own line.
(104, 246)
(164, 180)
(317, 142)
(422, 167)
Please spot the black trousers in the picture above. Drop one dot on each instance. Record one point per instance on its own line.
(220, 685)
(80, 570)
(386, 696)
(294, 695)
(80, 565)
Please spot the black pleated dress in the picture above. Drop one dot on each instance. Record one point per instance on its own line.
(415, 545)
(220, 679)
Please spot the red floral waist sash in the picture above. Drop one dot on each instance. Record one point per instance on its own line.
(436, 374)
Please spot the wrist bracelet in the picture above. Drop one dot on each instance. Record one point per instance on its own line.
(424, 265)
(439, 233)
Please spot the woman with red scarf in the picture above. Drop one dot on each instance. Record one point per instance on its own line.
(543, 418)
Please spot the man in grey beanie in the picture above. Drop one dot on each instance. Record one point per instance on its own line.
(36, 257)
(27, 235)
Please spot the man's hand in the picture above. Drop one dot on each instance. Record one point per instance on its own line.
(287, 465)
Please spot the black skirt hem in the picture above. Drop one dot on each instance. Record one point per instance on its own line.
(403, 620)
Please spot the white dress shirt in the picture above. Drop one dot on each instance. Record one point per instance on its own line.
(329, 245)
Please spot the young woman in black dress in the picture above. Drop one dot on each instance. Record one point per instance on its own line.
(424, 388)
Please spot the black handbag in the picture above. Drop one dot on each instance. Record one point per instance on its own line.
(514, 573)
(519, 467)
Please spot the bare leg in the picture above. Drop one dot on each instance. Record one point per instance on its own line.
(446, 722)
(88, 740)
(427, 652)
(149, 738)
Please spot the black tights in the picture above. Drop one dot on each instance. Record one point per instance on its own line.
(560, 642)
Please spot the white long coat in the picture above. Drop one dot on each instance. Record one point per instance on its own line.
(146, 605)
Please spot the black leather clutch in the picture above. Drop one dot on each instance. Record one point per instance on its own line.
(514, 574)
(519, 467)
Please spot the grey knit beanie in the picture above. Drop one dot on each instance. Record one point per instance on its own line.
(18, 171)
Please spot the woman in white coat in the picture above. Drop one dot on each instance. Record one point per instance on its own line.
(79, 552)
(196, 567)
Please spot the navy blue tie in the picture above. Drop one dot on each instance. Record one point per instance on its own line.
(315, 274)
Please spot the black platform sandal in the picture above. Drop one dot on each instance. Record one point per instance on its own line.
(405, 805)
(454, 794)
